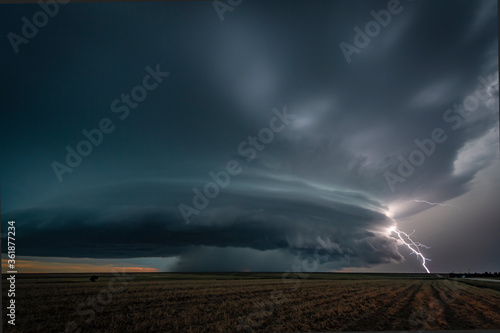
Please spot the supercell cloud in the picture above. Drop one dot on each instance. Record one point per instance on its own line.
(321, 178)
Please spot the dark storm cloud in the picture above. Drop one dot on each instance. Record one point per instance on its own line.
(118, 226)
(323, 175)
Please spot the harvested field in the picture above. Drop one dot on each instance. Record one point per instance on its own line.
(156, 304)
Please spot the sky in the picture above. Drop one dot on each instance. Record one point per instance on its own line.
(200, 136)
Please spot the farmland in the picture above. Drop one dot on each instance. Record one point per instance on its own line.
(260, 302)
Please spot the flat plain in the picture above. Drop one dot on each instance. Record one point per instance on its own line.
(252, 302)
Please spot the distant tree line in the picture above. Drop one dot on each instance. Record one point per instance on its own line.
(469, 275)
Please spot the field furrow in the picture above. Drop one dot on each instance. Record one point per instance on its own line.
(255, 305)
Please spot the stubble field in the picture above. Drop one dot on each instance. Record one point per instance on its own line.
(244, 303)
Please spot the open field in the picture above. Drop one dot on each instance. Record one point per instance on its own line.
(482, 283)
(239, 302)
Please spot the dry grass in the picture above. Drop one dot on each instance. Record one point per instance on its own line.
(47, 305)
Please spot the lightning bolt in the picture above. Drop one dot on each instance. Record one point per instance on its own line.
(406, 239)
(412, 245)
(435, 203)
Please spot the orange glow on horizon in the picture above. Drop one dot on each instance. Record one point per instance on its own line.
(29, 266)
